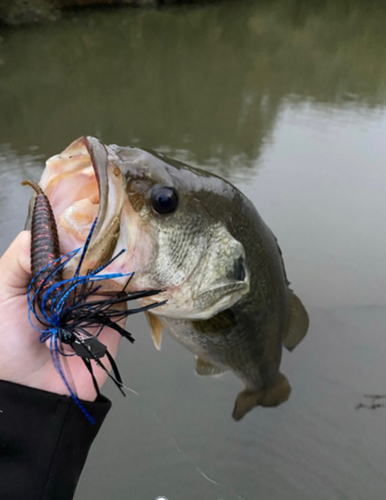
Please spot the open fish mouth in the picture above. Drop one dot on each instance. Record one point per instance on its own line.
(82, 185)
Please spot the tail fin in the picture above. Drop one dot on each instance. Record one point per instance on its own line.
(247, 399)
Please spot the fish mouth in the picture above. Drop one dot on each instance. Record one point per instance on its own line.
(83, 185)
(99, 160)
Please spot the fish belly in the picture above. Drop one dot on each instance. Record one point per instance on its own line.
(209, 348)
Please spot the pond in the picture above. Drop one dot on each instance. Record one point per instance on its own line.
(287, 100)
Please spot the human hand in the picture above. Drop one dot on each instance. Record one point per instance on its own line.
(23, 359)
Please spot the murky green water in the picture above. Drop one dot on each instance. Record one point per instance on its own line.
(287, 100)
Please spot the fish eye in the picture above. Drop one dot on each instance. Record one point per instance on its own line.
(164, 199)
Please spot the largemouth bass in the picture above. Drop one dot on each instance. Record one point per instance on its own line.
(200, 240)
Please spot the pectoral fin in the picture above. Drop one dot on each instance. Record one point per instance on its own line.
(156, 329)
(247, 399)
(206, 369)
(298, 324)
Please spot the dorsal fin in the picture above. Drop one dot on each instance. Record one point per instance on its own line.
(297, 325)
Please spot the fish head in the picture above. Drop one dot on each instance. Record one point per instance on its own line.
(172, 220)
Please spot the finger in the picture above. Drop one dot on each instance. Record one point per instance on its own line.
(15, 267)
(111, 339)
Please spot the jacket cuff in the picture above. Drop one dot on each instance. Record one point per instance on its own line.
(44, 441)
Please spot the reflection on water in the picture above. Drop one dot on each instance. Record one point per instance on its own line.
(210, 81)
(288, 89)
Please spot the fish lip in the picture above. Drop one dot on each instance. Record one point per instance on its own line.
(99, 160)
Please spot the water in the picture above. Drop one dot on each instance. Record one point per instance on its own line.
(288, 101)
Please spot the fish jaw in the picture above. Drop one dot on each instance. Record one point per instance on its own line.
(181, 304)
(84, 186)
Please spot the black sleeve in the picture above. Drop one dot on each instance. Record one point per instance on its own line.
(44, 442)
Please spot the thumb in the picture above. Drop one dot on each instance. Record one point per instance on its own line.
(15, 267)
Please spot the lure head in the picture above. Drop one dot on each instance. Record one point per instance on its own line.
(176, 223)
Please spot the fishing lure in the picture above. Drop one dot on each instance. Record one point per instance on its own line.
(68, 310)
